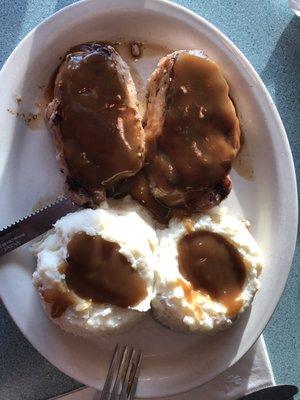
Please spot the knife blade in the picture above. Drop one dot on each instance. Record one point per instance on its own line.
(279, 392)
(34, 225)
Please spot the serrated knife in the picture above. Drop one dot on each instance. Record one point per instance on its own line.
(28, 228)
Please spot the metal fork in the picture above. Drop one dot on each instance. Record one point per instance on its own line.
(122, 376)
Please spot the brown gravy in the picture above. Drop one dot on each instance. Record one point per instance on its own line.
(48, 92)
(97, 271)
(189, 225)
(59, 298)
(101, 133)
(103, 143)
(212, 265)
(141, 192)
(201, 134)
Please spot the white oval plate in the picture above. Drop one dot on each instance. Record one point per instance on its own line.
(173, 362)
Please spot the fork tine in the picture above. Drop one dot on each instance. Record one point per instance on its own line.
(122, 369)
(125, 384)
(110, 375)
(134, 374)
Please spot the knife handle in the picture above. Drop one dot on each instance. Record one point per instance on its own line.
(279, 392)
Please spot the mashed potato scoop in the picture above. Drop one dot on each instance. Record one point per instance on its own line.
(95, 270)
(207, 272)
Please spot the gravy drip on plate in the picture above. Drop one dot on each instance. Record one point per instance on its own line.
(101, 133)
(97, 271)
(200, 136)
(213, 266)
(59, 297)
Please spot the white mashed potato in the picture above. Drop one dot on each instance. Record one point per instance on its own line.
(198, 311)
(120, 224)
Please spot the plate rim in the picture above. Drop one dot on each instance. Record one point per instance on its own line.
(293, 198)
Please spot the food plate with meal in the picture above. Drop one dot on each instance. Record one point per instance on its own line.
(163, 135)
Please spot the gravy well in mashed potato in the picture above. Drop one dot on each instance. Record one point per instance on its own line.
(97, 271)
(212, 265)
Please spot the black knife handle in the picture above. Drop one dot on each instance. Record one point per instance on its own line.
(279, 392)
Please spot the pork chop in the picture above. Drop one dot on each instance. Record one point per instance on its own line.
(192, 132)
(95, 121)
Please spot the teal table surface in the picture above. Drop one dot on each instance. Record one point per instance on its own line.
(268, 33)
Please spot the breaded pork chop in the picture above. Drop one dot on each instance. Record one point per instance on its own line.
(192, 132)
(95, 121)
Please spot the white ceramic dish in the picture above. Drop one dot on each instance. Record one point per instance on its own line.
(173, 362)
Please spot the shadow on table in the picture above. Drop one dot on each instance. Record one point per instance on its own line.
(287, 80)
(24, 374)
